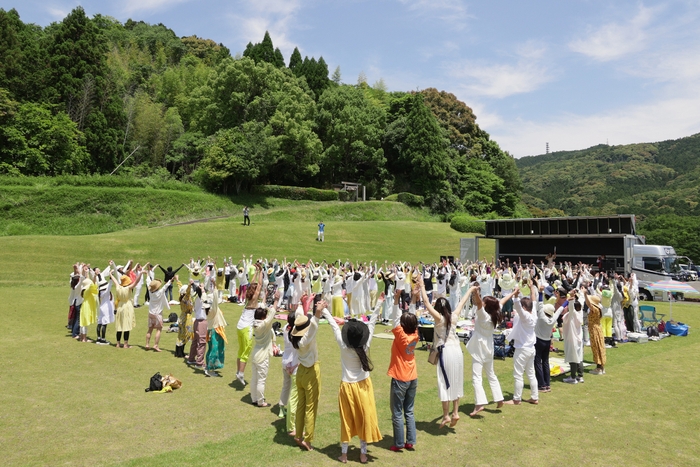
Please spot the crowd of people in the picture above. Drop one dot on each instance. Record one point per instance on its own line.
(524, 301)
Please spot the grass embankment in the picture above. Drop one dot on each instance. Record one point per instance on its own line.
(94, 205)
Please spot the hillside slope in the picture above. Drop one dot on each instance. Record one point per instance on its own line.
(645, 179)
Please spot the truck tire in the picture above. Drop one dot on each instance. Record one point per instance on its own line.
(645, 295)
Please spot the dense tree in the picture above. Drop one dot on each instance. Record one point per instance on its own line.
(264, 51)
(351, 129)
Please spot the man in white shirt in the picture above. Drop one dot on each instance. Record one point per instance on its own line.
(524, 336)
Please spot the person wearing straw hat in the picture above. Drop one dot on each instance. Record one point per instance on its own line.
(105, 312)
(158, 302)
(596, 332)
(356, 405)
(507, 283)
(125, 318)
(303, 337)
(547, 316)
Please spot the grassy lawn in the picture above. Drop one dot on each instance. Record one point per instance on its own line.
(67, 403)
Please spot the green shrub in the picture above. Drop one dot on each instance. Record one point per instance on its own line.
(465, 223)
(409, 199)
(394, 197)
(295, 193)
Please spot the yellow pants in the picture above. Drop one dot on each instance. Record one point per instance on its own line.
(308, 391)
(606, 324)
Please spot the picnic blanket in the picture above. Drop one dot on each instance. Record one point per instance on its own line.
(557, 366)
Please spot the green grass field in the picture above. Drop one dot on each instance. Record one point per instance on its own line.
(68, 403)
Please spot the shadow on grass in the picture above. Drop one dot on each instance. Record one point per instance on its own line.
(333, 452)
(235, 384)
(281, 435)
(433, 427)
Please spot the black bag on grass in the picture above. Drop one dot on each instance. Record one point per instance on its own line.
(499, 346)
(156, 383)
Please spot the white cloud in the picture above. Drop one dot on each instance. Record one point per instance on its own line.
(500, 80)
(660, 120)
(131, 6)
(615, 40)
(57, 13)
(454, 12)
(274, 16)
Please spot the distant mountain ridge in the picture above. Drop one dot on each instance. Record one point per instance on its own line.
(647, 179)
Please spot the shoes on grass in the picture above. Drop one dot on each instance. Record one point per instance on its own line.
(570, 380)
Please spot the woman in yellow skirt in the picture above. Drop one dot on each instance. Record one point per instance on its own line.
(125, 319)
(337, 289)
(358, 411)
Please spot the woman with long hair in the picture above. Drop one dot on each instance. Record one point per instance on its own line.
(450, 368)
(480, 346)
(358, 411)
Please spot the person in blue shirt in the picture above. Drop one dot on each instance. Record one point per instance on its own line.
(321, 228)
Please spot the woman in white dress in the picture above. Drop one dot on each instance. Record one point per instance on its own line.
(450, 367)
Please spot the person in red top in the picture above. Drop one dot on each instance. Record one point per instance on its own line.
(404, 376)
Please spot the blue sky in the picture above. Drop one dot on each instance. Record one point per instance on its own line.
(570, 73)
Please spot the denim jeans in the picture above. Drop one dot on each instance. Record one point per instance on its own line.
(75, 332)
(403, 395)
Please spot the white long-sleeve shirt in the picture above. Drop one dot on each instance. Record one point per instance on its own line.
(352, 371)
(524, 328)
(308, 351)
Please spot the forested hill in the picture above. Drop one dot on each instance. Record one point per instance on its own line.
(92, 95)
(647, 179)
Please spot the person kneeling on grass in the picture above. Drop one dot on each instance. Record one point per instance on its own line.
(524, 336)
(157, 303)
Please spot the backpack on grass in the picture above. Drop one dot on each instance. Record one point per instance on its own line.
(156, 383)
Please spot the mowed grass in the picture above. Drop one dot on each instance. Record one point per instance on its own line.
(68, 403)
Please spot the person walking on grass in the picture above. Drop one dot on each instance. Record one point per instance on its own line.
(404, 376)
(246, 217)
(524, 336)
(158, 302)
(450, 367)
(358, 410)
(321, 231)
(480, 346)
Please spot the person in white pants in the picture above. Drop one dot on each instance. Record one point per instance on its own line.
(139, 285)
(524, 336)
(480, 346)
(264, 335)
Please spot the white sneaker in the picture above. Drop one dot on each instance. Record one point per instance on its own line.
(239, 377)
(570, 380)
